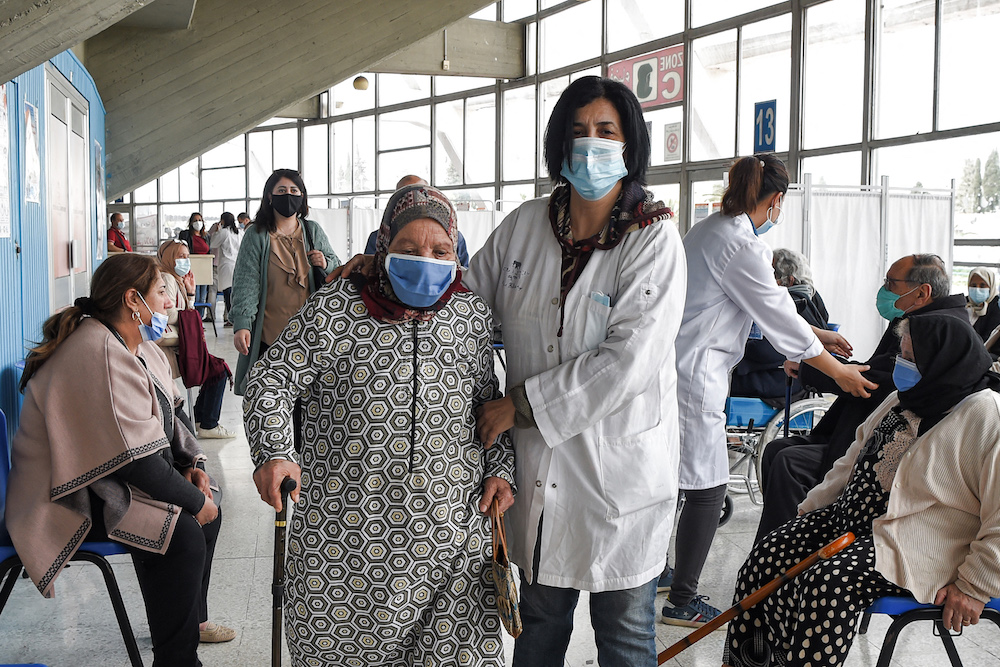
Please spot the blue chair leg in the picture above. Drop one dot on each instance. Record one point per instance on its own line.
(116, 601)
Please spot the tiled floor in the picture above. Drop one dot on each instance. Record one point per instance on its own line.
(78, 628)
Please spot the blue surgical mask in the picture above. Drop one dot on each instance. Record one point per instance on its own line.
(905, 374)
(182, 266)
(768, 222)
(885, 301)
(978, 295)
(419, 281)
(157, 324)
(594, 166)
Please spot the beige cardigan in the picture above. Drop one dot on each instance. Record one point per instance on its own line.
(89, 410)
(942, 524)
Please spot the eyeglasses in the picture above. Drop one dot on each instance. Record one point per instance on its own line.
(887, 283)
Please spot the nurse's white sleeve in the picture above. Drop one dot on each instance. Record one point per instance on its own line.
(749, 281)
(649, 304)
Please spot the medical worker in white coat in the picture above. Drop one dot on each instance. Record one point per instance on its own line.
(588, 284)
(731, 285)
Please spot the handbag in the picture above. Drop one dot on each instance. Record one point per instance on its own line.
(319, 275)
(503, 578)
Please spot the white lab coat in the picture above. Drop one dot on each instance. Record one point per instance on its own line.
(602, 463)
(226, 246)
(731, 285)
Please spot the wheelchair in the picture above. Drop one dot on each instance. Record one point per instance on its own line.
(747, 439)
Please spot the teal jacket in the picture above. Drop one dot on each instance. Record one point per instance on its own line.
(250, 287)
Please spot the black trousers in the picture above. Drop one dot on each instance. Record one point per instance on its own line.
(174, 586)
(695, 531)
(791, 467)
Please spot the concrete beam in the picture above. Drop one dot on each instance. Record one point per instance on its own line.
(162, 15)
(171, 96)
(309, 108)
(32, 31)
(474, 48)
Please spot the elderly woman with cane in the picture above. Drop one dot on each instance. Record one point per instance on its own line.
(389, 548)
(918, 488)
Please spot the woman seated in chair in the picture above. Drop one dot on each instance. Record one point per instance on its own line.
(759, 374)
(101, 453)
(175, 263)
(919, 489)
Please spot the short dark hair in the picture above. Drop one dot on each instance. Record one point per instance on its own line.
(264, 220)
(751, 180)
(929, 269)
(580, 93)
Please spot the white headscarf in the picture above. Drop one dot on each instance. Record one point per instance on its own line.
(989, 276)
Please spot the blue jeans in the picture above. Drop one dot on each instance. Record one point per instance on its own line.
(208, 407)
(622, 621)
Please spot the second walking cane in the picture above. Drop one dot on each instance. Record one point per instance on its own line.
(278, 581)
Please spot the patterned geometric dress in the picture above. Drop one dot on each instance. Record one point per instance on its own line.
(388, 556)
(812, 620)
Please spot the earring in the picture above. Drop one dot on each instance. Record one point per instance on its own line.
(135, 315)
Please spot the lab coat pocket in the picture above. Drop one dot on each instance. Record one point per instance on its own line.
(715, 387)
(635, 472)
(596, 329)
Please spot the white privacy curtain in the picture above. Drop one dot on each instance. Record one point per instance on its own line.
(334, 222)
(846, 256)
(476, 227)
(790, 233)
(364, 221)
(920, 223)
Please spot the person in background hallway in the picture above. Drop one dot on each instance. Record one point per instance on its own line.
(794, 465)
(117, 238)
(983, 303)
(175, 263)
(103, 451)
(244, 221)
(197, 240)
(226, 247)
(411, 179)
(273, 275)
(730, 286)
(919, 490)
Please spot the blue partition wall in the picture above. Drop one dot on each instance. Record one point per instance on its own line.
(24, 257)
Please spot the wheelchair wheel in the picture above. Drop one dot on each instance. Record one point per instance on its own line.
(727, 511)
(804, 415)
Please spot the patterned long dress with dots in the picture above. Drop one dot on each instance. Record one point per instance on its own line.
(388, 555)
(812, 620)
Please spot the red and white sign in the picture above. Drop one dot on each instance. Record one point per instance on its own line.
(655, 78)
(672, 142)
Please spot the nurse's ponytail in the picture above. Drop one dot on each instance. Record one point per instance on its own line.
(751, 180)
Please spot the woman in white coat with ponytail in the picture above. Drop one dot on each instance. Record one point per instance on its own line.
(730, 286)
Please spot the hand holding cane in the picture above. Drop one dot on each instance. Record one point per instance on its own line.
(755, 597)
(278, 581)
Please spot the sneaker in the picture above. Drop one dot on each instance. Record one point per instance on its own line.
(665, 581)
(219, 431)
(694, 614)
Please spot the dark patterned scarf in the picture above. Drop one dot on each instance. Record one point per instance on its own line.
(636, 208)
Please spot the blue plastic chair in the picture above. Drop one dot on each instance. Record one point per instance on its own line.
(906, 610)
(211, 312)
(90, 552)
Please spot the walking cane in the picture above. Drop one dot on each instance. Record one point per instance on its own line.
(788, 402)
(278, 581)
(755, 597)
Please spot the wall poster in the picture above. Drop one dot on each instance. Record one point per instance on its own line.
(4, 165)
(32, 158)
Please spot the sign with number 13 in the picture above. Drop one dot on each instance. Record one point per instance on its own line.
(764, 135)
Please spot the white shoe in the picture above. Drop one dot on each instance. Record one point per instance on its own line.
(219, 431)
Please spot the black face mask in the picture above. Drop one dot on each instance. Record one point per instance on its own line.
(286, 205)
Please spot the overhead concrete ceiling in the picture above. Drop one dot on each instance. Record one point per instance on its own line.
(173, 95)
(32, 31)
(162, 15)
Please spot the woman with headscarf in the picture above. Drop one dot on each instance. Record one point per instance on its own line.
(919, 490)
(389, 549)
(982, 301)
